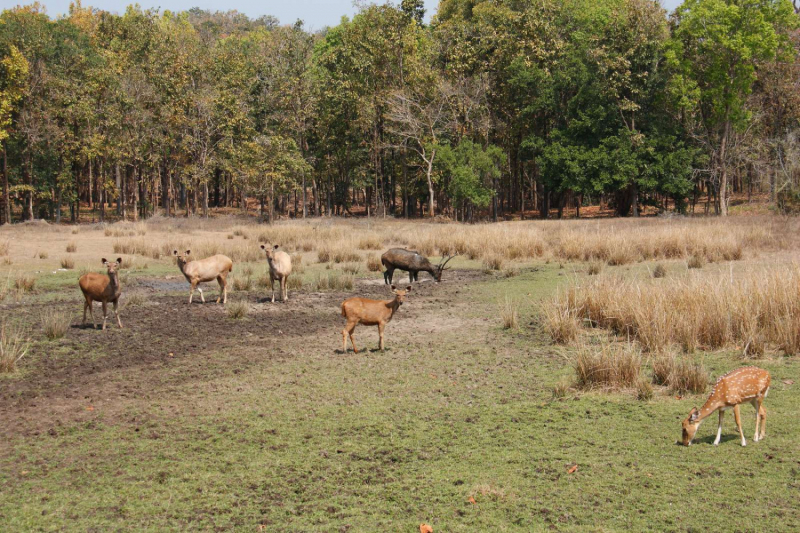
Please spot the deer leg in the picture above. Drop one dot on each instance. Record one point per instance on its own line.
(284, 293)
(754, 403)
(191, 293)
(410, 276)
(202, 298)
(116, 313)
(91, 312)
(348, 331)
(763, 413)
(85, 306)
(738, 417)
(380, 333)
(272, 286)
(719, 429)
(221, 287)
(105, 314)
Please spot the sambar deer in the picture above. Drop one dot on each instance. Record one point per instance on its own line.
(102, 288)
(746, 384)
(280, 266)
(370, 313)
(216, 267)
(413, 263)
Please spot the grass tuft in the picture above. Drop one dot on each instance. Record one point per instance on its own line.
(55, 324)
(72, 247)
(13, 347)
(609, 366)
(509, 313)
(237, 310)
(67, 263)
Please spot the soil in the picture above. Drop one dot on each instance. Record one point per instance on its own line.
(166, 343)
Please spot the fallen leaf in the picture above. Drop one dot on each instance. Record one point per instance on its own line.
(171, 354)
(788, 381)
(24, 472)
(425, 528)
(649, 475)
(90, 408)
(573, 469)
(432, 375)
(472, 500)
(678, 397)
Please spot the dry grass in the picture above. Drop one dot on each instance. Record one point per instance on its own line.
(608, 366)
(237, 309)
(509, 313)
(76, 230)
(560, 321)
(5, 247)
(644, 391)
(294, 283)
(561, 389)
(55, 324)
(493, 262)
(710, 311)
(659, 271)
(243, 283)
(72, 247)
(345, 256)
(67, 263)
(696, 261)
(352, 268)
(333, 280)
(370, 242)
(13, 347)
(594, 268)
(135, 299)
(374, 263)
(25, 283)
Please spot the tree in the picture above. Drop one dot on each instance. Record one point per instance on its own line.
(13, 77)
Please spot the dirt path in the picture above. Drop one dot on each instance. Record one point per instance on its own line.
(167, 345)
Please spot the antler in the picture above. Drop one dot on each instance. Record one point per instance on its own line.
(444, 262)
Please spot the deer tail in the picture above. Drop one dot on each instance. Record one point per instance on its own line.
(344, 314)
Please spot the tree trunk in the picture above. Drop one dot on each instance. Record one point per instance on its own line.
(429, 174)
(6, 218)
(205, 199)
(723, 178)
(118, 183)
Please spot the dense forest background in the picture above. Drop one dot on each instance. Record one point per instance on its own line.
(497, 108)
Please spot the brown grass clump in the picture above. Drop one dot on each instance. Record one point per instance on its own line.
(696, 261)
(509, 313)
(688, 376)
(711, 311)
(659, 271)
(13, 347)
(55, 324)
(345, 256)
(374, 263)
(561, 389)
(72, 247)
(67, 263)
(334, 281)
(644, 391)
(324, 255)
(5, 246)
(25, 283)
(352, 268)
(370, 242)
(595, 267)
(560, 321)
(43, 255)
(237, 310)
(294, 282)
(610, 366)
(243, 283)
(493, 262)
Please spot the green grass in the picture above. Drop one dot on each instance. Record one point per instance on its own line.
(321, 441)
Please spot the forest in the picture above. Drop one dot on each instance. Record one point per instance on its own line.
(492, 109)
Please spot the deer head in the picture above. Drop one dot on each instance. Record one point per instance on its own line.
(270, 251)
(182, 258)
(400, 295)
(112, 267)
(441, 267)
(690, 426)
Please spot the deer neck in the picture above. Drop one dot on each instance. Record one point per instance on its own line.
(711, 405)
(393, 306)
(113, 282)
(182, 266)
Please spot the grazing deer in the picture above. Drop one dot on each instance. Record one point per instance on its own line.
(215, 267)
(370, 313)
(99, 288)
(411, 262)
(280, 266)
(746, 384)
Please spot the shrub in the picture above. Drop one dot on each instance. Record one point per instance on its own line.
(237, 310)
(613, 366)
(644, 391)
(374, 263)
(342, 256)
(67, 263)
(127, 262)
(72, 247)
(509, 313)
(13, 347)
(55, 323)
(510, 272)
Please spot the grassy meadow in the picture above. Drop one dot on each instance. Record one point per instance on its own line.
(540, 386)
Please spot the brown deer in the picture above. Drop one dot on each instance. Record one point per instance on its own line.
(370, 313)
(746, 384)
(280, 266)
(99, 288)
(215, 267)
(413, 263)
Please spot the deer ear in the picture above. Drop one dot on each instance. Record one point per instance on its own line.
(119, 260)
(263, 247)
(174, 252)
(394, 288)
(693, 414)
(275, 247)
(408, 289)
(104, 260)
(188, 252)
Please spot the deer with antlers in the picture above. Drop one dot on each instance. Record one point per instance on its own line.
(746, 384)
(413, 263)
(370, 313)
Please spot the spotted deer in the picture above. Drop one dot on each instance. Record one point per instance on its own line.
(101, 288)
(746, 384)
(370, 313)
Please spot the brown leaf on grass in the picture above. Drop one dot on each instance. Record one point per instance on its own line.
(90, 408)
(472, 500)
(425, 528)
(788, 381)
(572, 469)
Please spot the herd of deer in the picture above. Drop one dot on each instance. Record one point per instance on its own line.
(747, 384)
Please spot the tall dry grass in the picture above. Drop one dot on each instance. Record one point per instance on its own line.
(710, 311)
(13, 347)
(608, 366)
